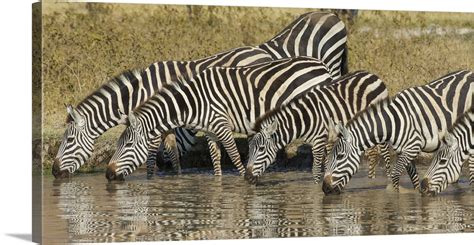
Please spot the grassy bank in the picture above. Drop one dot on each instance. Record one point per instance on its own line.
(84, 45)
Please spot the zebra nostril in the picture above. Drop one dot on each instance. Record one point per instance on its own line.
(327, 185)
(110, 172)
(56, 170)
(425, 185)
(249, 176)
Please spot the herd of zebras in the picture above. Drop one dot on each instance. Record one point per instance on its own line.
(295, 86)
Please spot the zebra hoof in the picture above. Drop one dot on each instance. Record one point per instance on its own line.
(390, 187)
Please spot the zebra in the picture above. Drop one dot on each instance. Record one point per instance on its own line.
(309, 118)
(316, 34)
(218, 101)
(457, 146)
(411, 122)
(100, 110)
(320, 35)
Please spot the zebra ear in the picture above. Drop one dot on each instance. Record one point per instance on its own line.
(123, 117)
(271, 129)
(332, 132)
(340, 129)
(76, 116)
(251, 124)
(450, 141)
(133, 120)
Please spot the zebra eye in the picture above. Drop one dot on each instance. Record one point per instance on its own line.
(70, 140)
(261, 148)
(340, 156)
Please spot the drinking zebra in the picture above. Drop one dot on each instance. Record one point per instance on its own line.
(218, 101)
(321, 35)
(100, 110)
(309, 118)
(411, 122)
(456, 147)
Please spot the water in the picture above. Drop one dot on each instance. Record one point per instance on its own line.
(198, 205)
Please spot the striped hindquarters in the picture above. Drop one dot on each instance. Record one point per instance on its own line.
(319, 35)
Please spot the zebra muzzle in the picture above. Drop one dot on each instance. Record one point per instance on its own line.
(250, 177)
(111, 173)
(57, 172)
(328, 187)
(425, 188)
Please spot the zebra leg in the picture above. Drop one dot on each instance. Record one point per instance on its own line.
(224, 134)
(372, 155)
(215, 151)
(150, 162)
(185, 140)
(471, 169)
(385, 152)
(153, 148)
(171, 148)
(405, 161)
(411, 170)
(318, 150)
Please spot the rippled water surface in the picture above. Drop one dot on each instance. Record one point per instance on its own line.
(198, 205)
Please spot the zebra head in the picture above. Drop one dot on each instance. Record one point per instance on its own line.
(445, 167)
(343, 160)
(132, 150)
(262, 150)
(76, 147)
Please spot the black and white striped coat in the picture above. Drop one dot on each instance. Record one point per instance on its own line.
(219, 101)
(411, 122)
(457, 147)
(315, 34)
(309, 118)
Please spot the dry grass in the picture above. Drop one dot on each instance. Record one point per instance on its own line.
(411, 48)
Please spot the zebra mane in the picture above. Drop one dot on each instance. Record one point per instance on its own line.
(259, 122)
(461, 118)
(370, 108)
(129, 75)
(181, 81)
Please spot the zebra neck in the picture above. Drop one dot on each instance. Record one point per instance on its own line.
(165, 111)
(104, 108)
(289, 125)
(464, 134)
